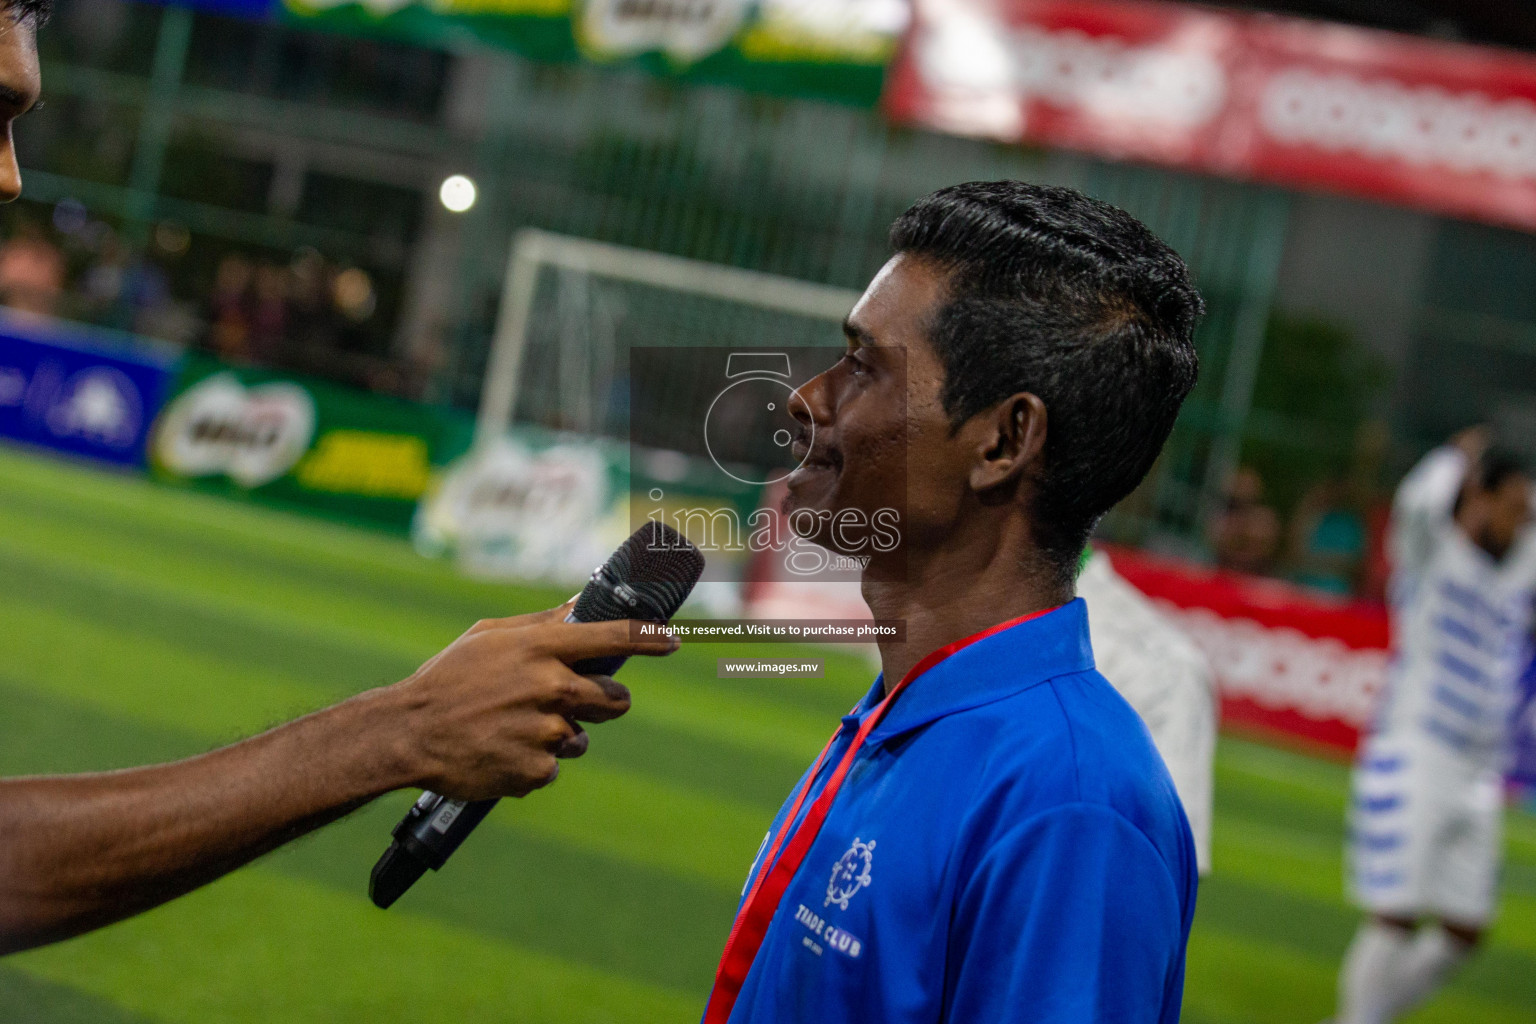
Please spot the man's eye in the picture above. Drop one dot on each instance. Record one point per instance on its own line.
(855, 364)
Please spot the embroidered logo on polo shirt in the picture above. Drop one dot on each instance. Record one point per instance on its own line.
(850, 873)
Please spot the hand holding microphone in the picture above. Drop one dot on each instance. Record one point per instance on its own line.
(488, 717)
(491, 713)
(500, 705)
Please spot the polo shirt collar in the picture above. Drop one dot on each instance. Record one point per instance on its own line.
(991, 668)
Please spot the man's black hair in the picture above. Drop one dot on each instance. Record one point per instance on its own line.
(36, 11)
(1076, 302)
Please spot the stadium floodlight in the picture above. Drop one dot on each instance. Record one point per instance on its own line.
(457, 193)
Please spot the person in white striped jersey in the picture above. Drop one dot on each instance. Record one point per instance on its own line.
(1426, 813)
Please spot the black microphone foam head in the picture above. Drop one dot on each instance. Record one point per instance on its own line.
(648, 577)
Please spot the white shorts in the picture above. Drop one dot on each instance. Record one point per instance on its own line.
(1424, 833)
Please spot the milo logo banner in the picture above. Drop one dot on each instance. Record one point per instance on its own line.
(836, 49)
(303, 442)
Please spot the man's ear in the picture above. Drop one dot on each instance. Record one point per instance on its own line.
(1012, 441)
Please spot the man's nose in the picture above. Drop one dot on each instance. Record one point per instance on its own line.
(10, 171)
(808, 403)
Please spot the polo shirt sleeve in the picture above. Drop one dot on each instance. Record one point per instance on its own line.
(1071, 917)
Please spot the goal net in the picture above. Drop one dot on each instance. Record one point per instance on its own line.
(573, 310)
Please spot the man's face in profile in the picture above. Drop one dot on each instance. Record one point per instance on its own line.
(20, 83)
(881, 437)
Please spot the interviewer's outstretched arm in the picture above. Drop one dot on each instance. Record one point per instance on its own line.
(486, 717)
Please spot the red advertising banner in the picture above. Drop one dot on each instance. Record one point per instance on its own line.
(1288, 661)
(1444, 126)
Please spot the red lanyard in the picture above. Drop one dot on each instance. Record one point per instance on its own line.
(758, 908)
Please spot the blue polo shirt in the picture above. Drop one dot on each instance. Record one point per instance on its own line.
(1007, 846)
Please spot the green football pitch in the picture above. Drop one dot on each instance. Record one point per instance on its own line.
(140, 623)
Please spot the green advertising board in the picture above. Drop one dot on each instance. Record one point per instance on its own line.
(303, 442)
(829, 49)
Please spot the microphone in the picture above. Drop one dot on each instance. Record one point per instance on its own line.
(648, 577)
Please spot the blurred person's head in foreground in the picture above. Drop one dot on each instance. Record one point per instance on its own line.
(1011, 373)
(20, 80)
(1495, 501)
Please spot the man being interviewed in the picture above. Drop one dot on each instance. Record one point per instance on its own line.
(990, 834)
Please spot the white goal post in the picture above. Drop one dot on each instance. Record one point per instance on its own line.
(534, 250)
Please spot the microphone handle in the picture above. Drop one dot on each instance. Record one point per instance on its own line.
(435, 825)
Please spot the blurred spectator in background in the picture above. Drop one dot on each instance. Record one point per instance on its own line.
(1372, 500)
(305, 314)
(1245, 534)
(269, 314)
(102, 283)
(1327, 539)
(229, 312)
(309, 300)
(122, 289)
(31, 271)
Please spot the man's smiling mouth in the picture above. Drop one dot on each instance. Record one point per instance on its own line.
(814, 458)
